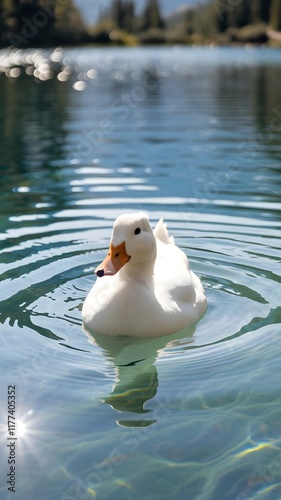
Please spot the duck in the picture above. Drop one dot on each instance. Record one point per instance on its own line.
(144, 287)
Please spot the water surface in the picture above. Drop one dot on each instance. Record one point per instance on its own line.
(193, 135)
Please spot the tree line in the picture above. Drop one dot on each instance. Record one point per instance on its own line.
(48, 22)
(237, 14)
(43, 22)
(122, 14)
(221, 14)
(208, 20)
(40, 22)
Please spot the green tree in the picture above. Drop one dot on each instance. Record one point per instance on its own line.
(189, 21)
(204, 21)
(42, 22)
(235, 14)
(69, 26)
(2, 22)
(275, 15)
(117, 12)
(151, 16)
(240, 15)
(260, 10)
(129, 16)
(26, 21)
(122, 14)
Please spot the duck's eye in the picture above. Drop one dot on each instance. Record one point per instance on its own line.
(137, 230)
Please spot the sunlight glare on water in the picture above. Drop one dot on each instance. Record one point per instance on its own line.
(191, 135)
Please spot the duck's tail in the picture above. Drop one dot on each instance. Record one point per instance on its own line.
(161, 232)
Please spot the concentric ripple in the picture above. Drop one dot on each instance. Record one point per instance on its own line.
(54, 267)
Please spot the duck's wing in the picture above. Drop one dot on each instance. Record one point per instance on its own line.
(161, 232)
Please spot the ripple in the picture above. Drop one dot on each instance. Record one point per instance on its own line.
(58, 254)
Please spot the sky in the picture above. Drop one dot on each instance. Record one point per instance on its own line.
(90, 8)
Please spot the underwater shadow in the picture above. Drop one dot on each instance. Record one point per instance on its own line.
(136, 380)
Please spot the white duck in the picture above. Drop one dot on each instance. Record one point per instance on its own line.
(144, 286)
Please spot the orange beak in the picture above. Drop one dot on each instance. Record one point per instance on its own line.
(115, 259)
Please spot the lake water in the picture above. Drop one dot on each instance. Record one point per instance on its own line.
(193, 135)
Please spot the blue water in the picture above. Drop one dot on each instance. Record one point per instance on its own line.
(193, 135)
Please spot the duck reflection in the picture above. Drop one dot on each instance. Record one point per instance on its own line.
(136, 374)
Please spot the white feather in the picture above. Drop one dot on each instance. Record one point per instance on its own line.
(153, 294)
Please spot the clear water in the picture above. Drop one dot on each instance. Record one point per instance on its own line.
(193, 135)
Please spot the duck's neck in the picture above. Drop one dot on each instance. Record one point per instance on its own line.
(139, 271)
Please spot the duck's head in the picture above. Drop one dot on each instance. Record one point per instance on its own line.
(132, 241)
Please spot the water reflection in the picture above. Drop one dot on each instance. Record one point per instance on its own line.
(32, 118)
(127, 107)
(136, 374)
(252, 94)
